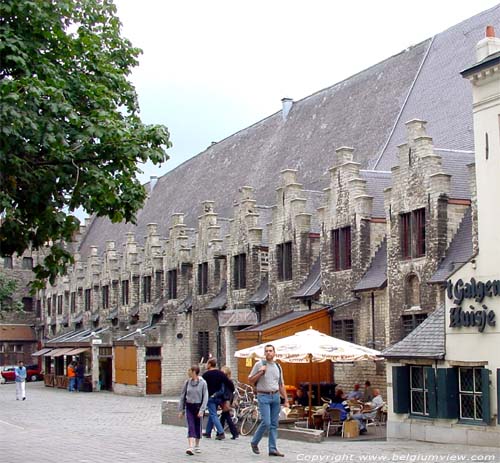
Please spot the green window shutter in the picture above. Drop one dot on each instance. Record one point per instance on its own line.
(447, 393)
(431, 391)
(485, 391)
(401, 389)
(498, 395)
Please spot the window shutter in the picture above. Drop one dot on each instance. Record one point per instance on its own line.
(447, 393)
(485, 391)
(401, 389)
(430, 375)
(498, 395)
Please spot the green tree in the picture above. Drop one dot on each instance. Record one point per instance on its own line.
(8, 287)
(70, 131)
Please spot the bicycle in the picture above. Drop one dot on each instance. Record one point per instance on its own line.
(250, 416)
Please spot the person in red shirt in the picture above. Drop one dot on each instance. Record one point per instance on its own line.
(72, 377)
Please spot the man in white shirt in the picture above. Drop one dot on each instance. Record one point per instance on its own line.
(374, 406)
(20, 373)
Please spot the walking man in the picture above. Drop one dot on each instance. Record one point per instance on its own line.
(267, 377)
(20, 373)
(217, 383)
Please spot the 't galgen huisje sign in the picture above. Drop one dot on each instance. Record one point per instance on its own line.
(473, 295)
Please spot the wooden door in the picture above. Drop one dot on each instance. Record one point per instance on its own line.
(153, 377)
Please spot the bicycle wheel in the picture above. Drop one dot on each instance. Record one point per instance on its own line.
(249, 421)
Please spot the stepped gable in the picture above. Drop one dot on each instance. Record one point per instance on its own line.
(359, 111)
(440, 95)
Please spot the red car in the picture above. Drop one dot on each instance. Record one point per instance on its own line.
(33, 373)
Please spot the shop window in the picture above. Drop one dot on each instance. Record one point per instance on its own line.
(27, 263)
(105, 297)
(125, 292)
(27, 304)
(341, 248)
(172, 284)
(470, 383)
(412, 234)
(88, 299)
(240, 271)
(411, 321)
(203, 278)
(146, 289)
(203, 345)
(419, 391)
(343, 329)
(284, 261)
(153, 351)
(7, 262)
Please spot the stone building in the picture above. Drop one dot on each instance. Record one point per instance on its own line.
(353, 247)
(444, 377)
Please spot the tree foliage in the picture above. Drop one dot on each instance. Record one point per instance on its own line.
(70, 131)
(8, 287)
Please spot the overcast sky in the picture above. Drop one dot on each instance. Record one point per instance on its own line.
(211, 68)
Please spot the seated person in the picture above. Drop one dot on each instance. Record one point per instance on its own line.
(339, 396)
(301, 398)
(342, 406)
(355, 394)
(368, 394)
(369, 411)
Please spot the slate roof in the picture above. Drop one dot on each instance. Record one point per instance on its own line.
(459, 251)
(376, 183)
(286, 317)
(366, 111)
(455, 164)
(262, 294)
(359, 112)
(219, 301)
(376, 275)
(186, 305)
(440, 95)
(312, 285)
(427, 340)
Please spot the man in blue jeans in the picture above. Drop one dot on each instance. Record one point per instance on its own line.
(268, 379)
(215, 379)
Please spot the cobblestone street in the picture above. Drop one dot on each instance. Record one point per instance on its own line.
(56, 426)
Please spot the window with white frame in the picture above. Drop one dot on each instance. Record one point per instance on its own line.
(418, 391)
(470, 393)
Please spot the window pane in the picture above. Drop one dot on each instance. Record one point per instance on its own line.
(477, 380)
(466, 381)
(417, 402)
(417, 378)
(467, 406)
(479, 407)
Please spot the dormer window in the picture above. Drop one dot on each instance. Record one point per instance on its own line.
(341, 248)
(413, 234)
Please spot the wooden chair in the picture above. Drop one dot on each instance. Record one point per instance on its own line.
(332, 420)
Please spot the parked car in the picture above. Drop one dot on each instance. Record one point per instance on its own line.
(5, 368)
(33, 373)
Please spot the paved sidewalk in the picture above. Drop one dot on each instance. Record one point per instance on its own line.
(57, 426)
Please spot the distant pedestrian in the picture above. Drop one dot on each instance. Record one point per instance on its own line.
(20, 373)
(268, 379)
(80, 376)
(226, 406)
(71, 377)
(193, 403)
